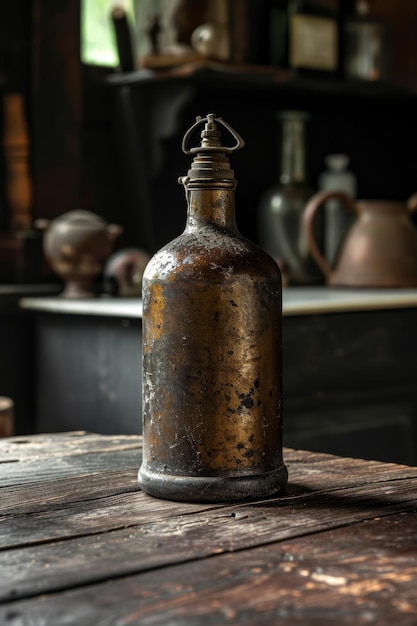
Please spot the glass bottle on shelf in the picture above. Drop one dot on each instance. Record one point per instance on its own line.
(313, 37)
(282, 205)
(304, 36)
(337, 219)
(366, 45)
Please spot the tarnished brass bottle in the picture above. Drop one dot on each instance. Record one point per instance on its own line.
(212, 319)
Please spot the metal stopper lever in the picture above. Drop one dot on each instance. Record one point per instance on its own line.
(210, 136)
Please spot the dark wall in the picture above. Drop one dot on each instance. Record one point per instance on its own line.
(76, 160)
(374, 125)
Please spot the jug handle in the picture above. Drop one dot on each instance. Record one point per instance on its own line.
(308, 223)
(412, 203)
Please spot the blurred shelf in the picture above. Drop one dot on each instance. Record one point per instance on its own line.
(260, 78)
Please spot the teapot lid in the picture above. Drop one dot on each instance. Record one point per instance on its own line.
(80, 217)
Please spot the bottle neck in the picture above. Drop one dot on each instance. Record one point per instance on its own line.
(211, 205)
(293, 152)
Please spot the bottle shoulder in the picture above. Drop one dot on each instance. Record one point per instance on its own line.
(212, 254)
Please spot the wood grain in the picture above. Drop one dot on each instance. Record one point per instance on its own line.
(365, 574)
(24, 460)
(80, 543)
(142, 539)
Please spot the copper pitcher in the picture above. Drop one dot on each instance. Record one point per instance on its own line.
(380, 248)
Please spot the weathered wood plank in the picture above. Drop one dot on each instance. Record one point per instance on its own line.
(84, 518)
(36, 497)
(38, 447)
(102, 502)
(47, 457)
(167, 540)
(308, 472)
(51, 468)
(318, 472)
(103, 552)
(44, 461)
(42, 446)
(363, 574)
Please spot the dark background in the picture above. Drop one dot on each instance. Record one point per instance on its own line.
(111, 143)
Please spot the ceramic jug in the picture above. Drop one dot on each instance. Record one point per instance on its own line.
(380, 248)
(76, 245)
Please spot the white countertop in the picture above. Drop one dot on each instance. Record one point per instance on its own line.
(296, 301)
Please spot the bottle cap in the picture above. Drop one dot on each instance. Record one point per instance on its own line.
(210, 162)
(337, 162)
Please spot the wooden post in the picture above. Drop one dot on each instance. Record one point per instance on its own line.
(56, 107)
(16, 153)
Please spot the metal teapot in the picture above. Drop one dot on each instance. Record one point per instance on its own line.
(380, 248)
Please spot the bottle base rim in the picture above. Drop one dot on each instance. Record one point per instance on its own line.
(213, 488)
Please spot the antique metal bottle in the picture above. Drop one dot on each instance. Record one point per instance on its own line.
(212, 393)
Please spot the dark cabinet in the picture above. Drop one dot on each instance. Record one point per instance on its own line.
(349, 379)
(373, 123)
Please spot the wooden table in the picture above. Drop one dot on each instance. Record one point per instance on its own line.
(80, 544)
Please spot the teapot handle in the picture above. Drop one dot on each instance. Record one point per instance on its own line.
(308, 223)
(412, 203)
